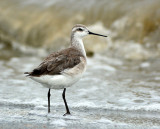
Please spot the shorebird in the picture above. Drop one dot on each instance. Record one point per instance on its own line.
(64, 68)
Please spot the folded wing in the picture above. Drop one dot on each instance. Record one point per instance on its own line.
(57, 62)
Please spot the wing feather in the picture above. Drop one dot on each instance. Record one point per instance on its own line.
(57, 62)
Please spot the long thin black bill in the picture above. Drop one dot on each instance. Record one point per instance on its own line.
(96, 34)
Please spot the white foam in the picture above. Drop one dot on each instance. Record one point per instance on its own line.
(84, 104)
(145, 64)
(59, 122)
(157, 78)
(104, 120)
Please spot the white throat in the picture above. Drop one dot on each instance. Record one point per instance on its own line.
(78, 44)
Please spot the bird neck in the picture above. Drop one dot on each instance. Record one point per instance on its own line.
(77, 43)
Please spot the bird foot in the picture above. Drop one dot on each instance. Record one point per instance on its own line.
(67, 113)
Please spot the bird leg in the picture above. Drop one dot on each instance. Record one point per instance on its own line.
(49, 101)
(67, 109)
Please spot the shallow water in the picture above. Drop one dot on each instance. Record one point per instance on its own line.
(121, 87)
(113, 93)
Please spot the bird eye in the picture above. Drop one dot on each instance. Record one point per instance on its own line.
(79, 29)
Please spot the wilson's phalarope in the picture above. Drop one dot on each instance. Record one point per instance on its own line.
(63, 68)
